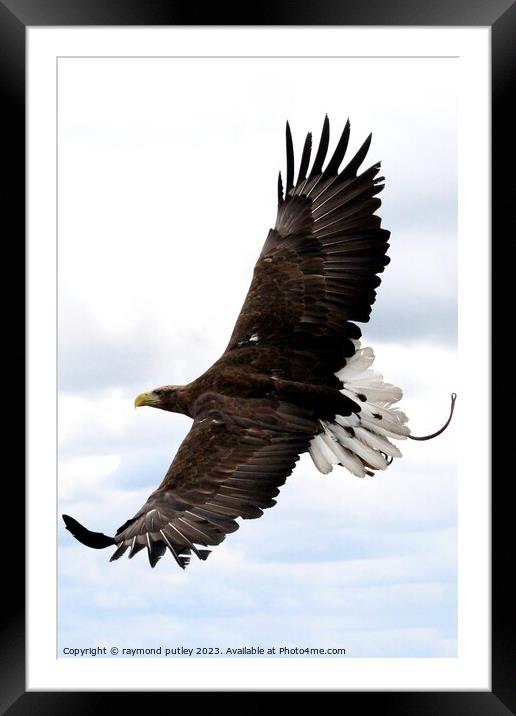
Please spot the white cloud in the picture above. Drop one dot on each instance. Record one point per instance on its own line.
(232, 602)
(84, 471)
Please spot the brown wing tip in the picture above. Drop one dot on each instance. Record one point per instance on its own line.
(280, 190)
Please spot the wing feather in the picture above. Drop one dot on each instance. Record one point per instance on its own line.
(322, 149)
(318, 270)
(224, 469)
(305, 159)
(290, 160)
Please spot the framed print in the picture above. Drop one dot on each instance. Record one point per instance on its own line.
(153, 148)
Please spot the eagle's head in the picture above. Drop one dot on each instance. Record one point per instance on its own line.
(166, 398)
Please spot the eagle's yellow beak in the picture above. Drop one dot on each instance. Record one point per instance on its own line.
(144, 399)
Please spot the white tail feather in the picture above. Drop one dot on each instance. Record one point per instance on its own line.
(343, 456)
(331, 447)
(375, 427)
(353, 463)
(357, 364)
(377, 442)
(360, 440)
(376, 391)
(373, 457)
(318, 456)
(389, 418)
(350, 421)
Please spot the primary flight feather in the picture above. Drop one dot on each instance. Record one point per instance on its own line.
(293, 378)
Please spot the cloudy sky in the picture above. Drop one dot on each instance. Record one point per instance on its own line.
(167, 188)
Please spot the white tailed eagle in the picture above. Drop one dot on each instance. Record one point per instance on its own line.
(293, 378)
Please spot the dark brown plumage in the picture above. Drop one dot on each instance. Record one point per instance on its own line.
(263, 402)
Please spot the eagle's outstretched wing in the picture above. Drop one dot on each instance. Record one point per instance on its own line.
(231, 464)
(317, 271)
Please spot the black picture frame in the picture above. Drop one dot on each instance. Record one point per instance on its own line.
(15, 17)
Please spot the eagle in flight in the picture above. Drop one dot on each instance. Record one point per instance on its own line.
(293, 378)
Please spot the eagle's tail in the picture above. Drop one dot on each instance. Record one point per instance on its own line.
(360, 441)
